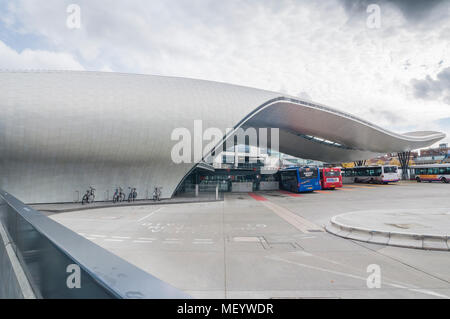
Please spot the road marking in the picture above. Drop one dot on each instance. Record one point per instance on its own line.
(358, 186)
(120, 237)
(202, 241)
(290, 194)
(346, 189)
(171, 242)
(115, 240)
(146, 238)
(305, 226)
(427, 292)
(143, 241)
(322, 192)
(376, 185)
(257, 197)
(145, 217)
(99, 236)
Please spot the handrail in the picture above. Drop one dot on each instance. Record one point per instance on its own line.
(59, 263)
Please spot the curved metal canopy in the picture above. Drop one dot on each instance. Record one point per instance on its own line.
(63, 131)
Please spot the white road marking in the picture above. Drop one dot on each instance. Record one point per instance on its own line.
(145, 217)
(431, 293)
(120, 237)
(109, 239)
(143, 241)
(427, 292)
(100, 236)
(146, 238)
(172, 241)
(203, 241)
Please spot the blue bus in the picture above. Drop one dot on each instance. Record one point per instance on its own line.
(300, 179)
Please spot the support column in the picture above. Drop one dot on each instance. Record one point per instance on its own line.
(360, 163)
(403, 158)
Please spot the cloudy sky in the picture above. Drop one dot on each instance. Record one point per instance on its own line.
(396, 75)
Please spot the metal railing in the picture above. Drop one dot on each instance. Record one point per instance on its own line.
(206, 190)
(59, 263)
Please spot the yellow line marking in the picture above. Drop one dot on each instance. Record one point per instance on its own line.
(359, 186)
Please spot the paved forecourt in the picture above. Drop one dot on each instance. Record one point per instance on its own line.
(272, 244)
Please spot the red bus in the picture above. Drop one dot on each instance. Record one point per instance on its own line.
(330, 177)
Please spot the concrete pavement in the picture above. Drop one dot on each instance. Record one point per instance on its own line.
(244, 248)
(411, 228)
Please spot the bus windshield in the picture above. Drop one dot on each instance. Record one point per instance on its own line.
(332, 173)
(307, 173)
(288, 176)
(390, 169)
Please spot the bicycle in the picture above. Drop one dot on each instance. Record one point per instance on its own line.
(89, 197)
(157, 194)
(132, 195)
(119, 195)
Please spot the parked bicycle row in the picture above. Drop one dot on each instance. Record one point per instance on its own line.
(119, 195)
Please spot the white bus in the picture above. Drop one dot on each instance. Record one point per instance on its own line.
(382, 174)
(432, 172)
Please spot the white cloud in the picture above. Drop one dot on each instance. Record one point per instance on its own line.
(294, 46)
(36, 59)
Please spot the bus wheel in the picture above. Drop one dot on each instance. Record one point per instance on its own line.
(418, 179)
(444, 180)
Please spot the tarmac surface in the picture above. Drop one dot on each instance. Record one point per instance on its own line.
(274, 244)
